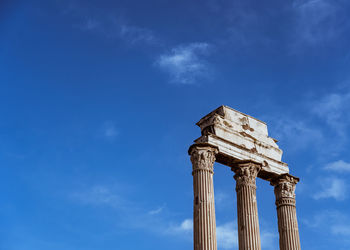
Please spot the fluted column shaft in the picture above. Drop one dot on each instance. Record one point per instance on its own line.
(204, 225)
(247, 210)
(286, 212)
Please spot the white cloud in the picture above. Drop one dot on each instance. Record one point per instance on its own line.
(332, 187)
(338, 166)
(186, 63)
(227, 236)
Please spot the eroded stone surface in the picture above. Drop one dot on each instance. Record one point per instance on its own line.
(241, 137)
(241, 142)
(204, 225)
(247, 209)
(286, 211)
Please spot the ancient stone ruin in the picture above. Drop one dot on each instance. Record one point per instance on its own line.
(240, 142)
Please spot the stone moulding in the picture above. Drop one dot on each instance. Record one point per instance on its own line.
(241, 137)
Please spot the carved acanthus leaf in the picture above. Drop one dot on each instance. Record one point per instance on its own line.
(285, 186)
(203, 158)
(246, 174)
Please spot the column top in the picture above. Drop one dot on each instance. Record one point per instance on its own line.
(284, 178)
(239, 136)
(202, 145)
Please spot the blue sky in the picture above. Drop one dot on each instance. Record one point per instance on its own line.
(99, 101)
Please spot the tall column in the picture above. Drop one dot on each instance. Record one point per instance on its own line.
(286, 212)
(247, 210)
(204, 226)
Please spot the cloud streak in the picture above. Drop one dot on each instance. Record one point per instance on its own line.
(339, 166)
(156, 211)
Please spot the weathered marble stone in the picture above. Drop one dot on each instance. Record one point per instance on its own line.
(204, 225)
(241, 137)
(241, 142)
(247, 209)
(286, 211)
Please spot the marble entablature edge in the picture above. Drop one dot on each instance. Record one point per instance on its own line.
(271, 167)
(210, 123)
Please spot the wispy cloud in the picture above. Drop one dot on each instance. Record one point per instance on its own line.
(268, 240)
(186, 63)
(331, 221)
(113, 200)
(338, 166)
(135, 34)
(132, 215)
(319, 21)
(332, 187)
(156, 211)
(99, 195)
(109, 24)
(322, 122)
(334, 109)
(227, 235)
(109, 131)
(341, 229)
(247, 28)
(184, 228)
(223, 200)
(90, 24)
(298, 134)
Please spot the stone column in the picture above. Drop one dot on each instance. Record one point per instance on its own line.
(286, 211)
(247, 210)
(204, 225)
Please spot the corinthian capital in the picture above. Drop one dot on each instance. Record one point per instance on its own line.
(285, 186)
(202, 156)
(246, 173)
